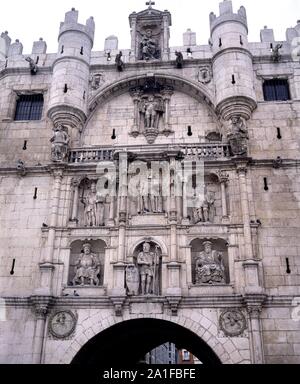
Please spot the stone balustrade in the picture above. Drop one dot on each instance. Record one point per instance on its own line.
(202, 151)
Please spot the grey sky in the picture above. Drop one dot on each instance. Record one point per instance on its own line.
(31, 19)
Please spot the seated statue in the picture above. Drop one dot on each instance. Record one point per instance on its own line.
(209, 266)
(87, 268)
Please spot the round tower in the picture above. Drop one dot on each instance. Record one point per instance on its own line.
(232, 63)
(71, 71)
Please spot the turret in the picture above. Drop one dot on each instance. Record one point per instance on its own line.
(232, 63)
(69, 89)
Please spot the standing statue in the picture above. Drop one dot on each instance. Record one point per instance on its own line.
(93, 208)
(60, 142)
(179, 59)
(132, 280)
(32, 65)
(148, 263)
(149, 49)
(206, 212)
(119, 61)
(143, 195)
(155, 195)
(208, 207)
(151, 109)
(87, 268)
(209, 266)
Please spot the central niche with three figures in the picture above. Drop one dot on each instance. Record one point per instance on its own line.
(151, 109)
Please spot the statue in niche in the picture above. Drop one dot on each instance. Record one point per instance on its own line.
(87, 268)
(151, 109)
(32, 65)
(119, 62)
(149, 48)
(132, 280)
(143, 194)
(60, 143)
(155, 194)
(148, 264)
(209, 266)
(205, 213)
(238, 136)
(93, 208)
(179, 59)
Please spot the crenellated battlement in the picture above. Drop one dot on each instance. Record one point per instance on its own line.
(227, 15)
(71, 25)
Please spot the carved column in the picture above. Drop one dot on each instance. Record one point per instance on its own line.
(136, 94)
(119, 267)
(224, 177)
(173, 266)
(75, 184)
(111, 221)
(134, 45)
(167, 94)
(165, 53)
(47, 266)
(242, 172)
(40, 307)
(256, 339)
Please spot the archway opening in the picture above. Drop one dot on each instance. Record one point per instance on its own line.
(130, 341)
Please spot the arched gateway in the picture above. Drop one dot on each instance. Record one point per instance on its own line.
(128, 342)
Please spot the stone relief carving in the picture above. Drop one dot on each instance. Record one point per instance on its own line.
(238, 136)
(232, 322)
(96, 80)
(21, 168)
(132, 280)
(209, 266)
(60, 144)
(62, 324)
(93, 207)
(149, 49)
(143, 277)
(87, 268)
(204, 75)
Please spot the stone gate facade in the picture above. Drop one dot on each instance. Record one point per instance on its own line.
(153, 182)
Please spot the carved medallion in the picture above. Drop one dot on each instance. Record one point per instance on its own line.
(62, 324)
(232, 322)
(204, 75)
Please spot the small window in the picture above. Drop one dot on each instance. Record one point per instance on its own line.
(186, 355)
(29, 107)
(276, 90)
